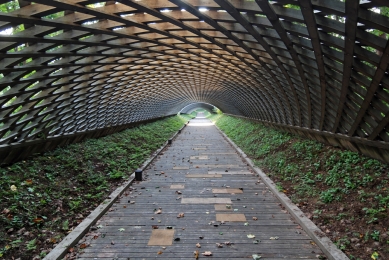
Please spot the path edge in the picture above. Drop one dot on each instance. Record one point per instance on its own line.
(72, 238)
(324, 243)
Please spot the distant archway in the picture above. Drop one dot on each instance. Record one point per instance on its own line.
(192, 107)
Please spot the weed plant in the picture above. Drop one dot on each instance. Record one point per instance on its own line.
(44, 198)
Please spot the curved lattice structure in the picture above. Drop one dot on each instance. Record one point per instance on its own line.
(76, 68)
(192, 107)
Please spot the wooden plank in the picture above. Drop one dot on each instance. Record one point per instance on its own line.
(206, 200)
(181, 168)
(177, 186)
(231, 217)
(223, 207)
(161, 237)
(227, 190)
(231, 172)
(201, 157)
(215, 166)
(203, 176)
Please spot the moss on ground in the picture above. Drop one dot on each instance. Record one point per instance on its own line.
(44, 198)
(345, 193)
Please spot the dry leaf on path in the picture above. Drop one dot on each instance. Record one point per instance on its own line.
(180, 215)
(255, 218)
(198, 245)
(250, 236)
(196, 254)
(158, 212)
(82, 246)
(207, 253)
(219, 245)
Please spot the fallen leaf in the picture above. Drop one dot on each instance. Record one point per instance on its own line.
(82, 246)
(71, 250)
(227, 243)
(112, 242)
(6, 211)
(374, 256)
(256, 241)
(121, 229)
(246, 224)
(158, 212)
(53, 240)
(178, 192)
(274, 238)
(155, 227)
(38, 220)
(256, 257)
(160, 253)
(180, 215)
(198, 245)
(196, 254)
(28, 182)
(250, 236)
(219, 245)
(255, 218)
(207, 253)
(13, 188)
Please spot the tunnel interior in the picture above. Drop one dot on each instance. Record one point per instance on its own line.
(75, 69)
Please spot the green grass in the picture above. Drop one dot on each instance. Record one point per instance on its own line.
(51, 191)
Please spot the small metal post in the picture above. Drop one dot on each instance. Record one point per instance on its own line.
(138, 175)
(169, 141)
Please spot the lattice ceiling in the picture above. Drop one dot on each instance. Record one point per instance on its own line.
(314, 66)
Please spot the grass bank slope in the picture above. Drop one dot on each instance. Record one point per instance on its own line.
(44, 198)
(344, 193)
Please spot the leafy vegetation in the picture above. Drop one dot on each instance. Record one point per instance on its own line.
(344, 193)
(44, 198)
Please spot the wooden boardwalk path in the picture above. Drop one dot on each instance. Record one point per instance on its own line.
(201, 176)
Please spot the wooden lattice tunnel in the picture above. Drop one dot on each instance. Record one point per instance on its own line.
(72, 69)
